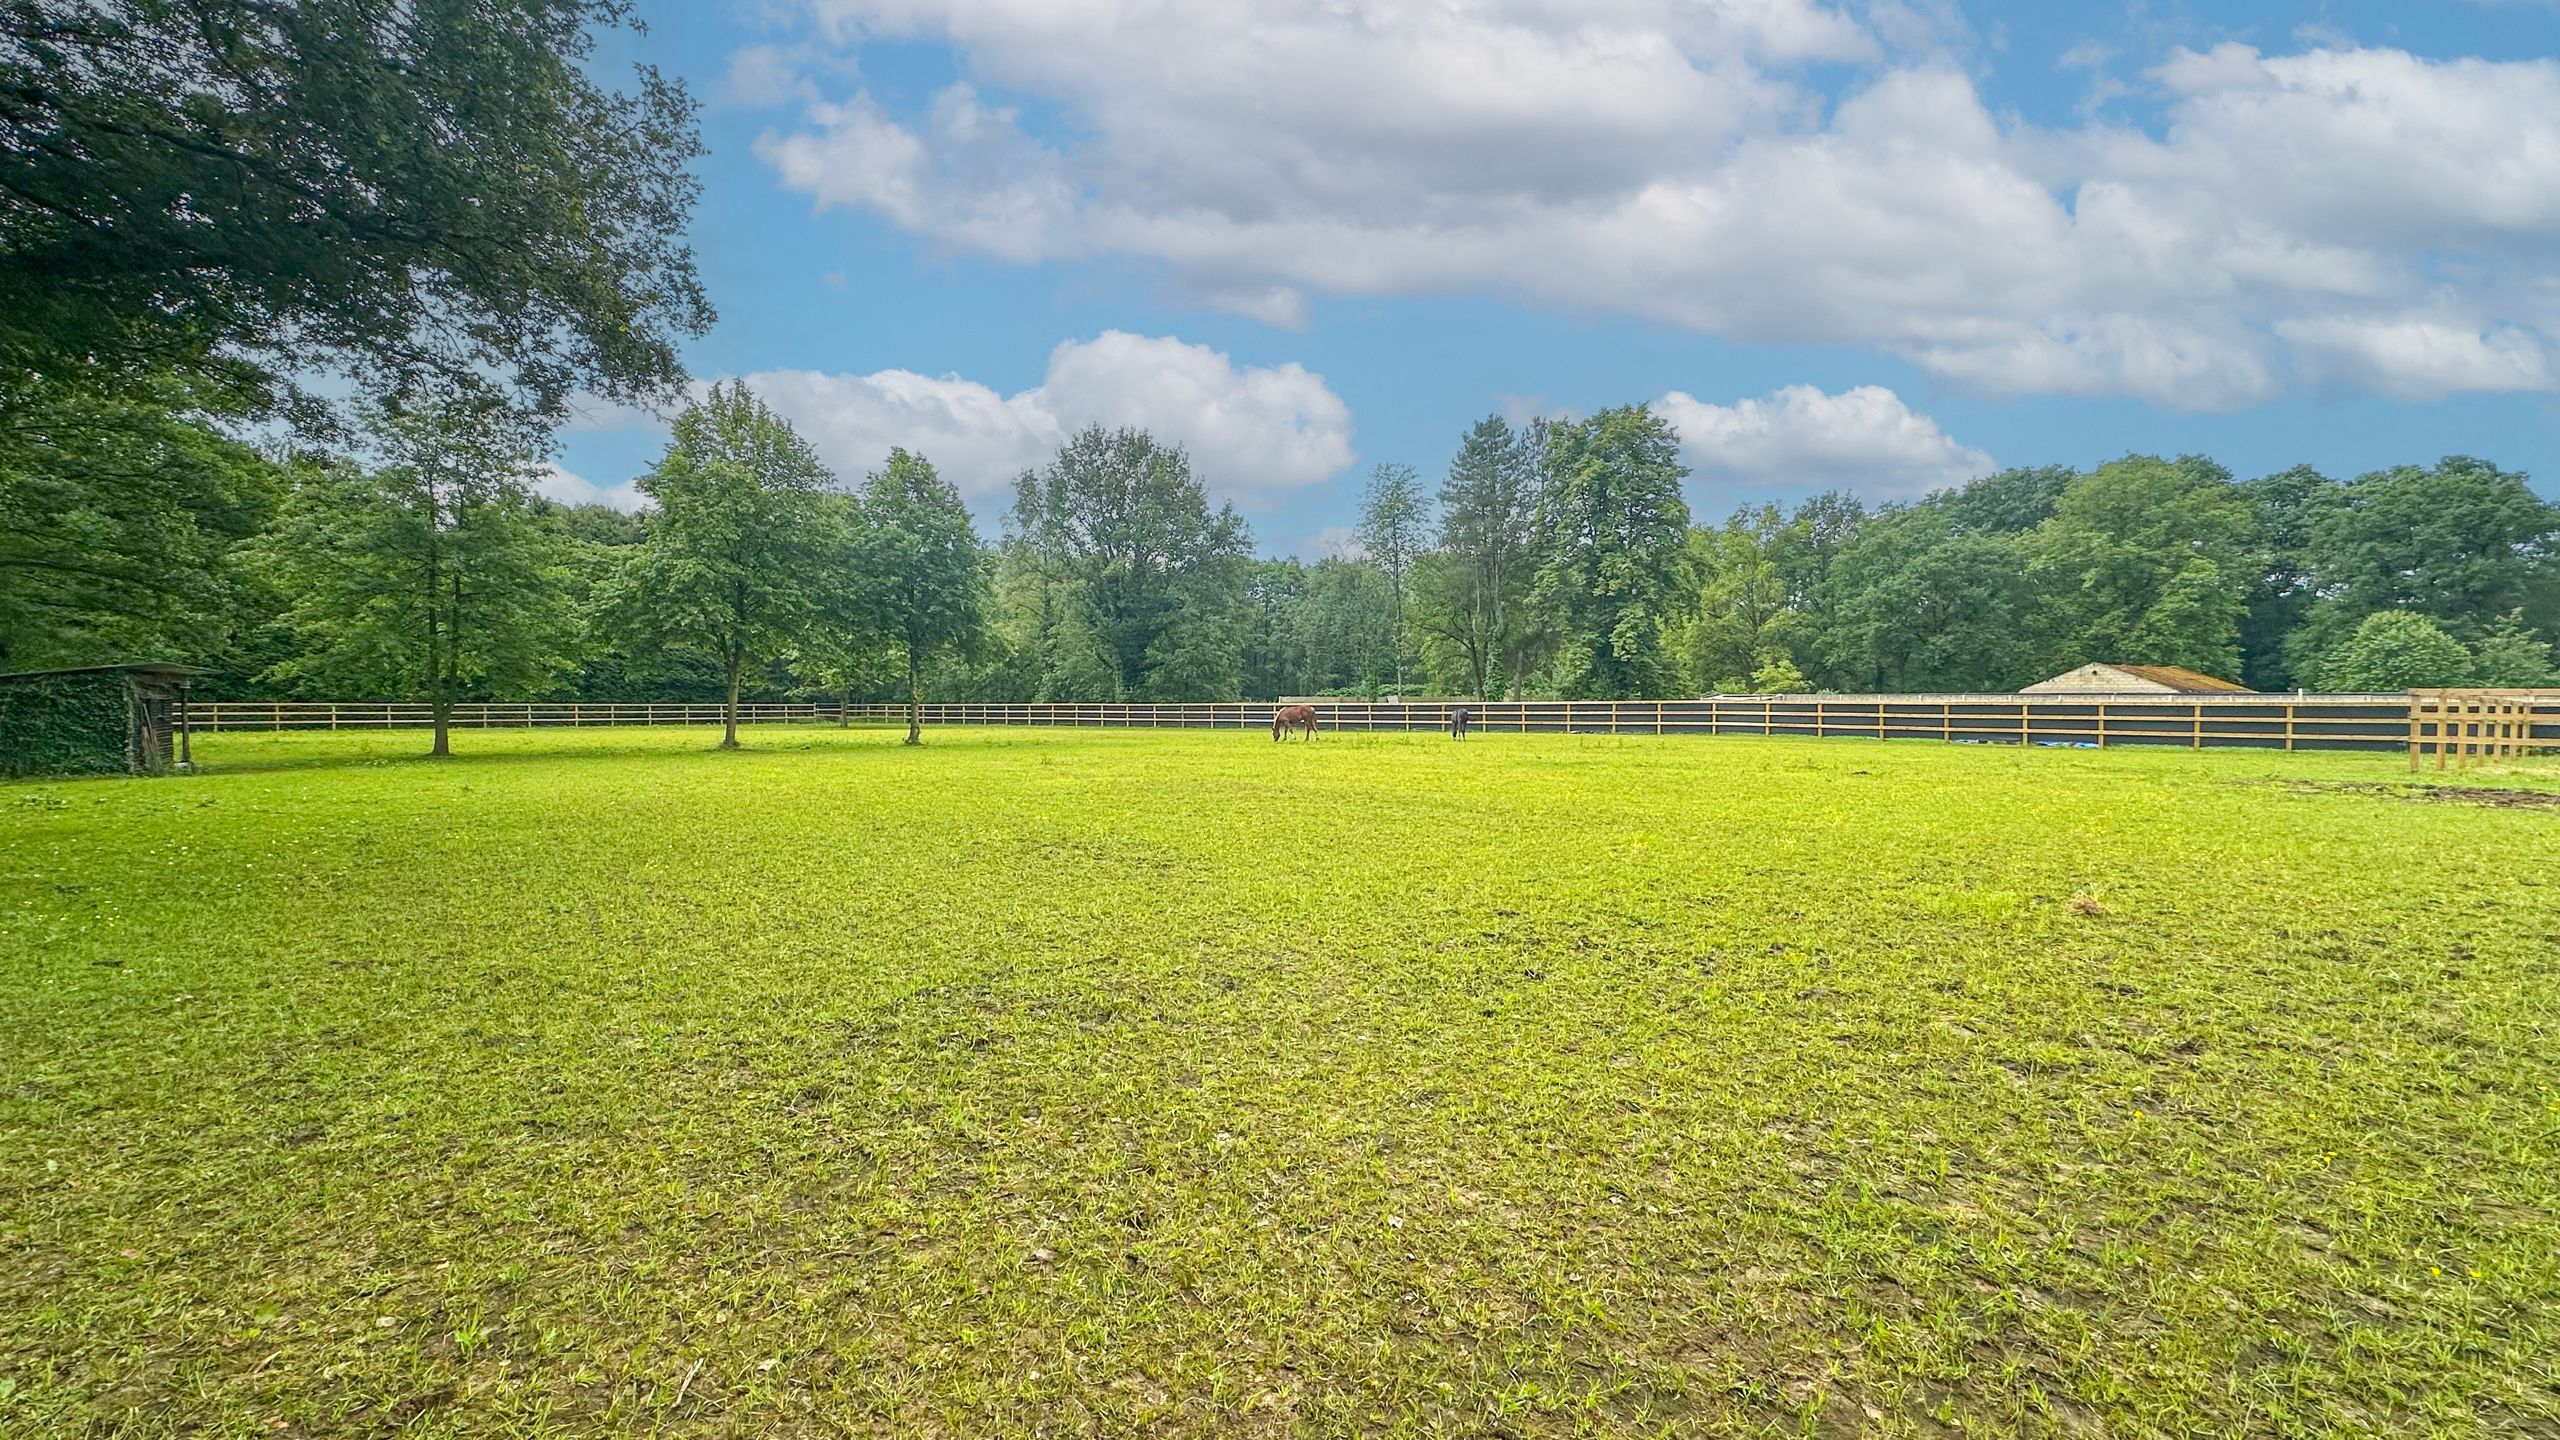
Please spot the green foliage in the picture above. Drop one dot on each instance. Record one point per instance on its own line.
(428, 191)
(67, 725)
(1778, 675)
(1742, 611)
(2284, 507)
(433, 577)
(2395, 650)
(1476, 603)
(2463, 542)
(2511, 654)
(1541, 1086)
(2011, 502)
(1139, 583)
(118, 519)
(738, 557)
(1922, 605)
(1394, 531)
(1610, 575)
(918, 554)
(2143, 560)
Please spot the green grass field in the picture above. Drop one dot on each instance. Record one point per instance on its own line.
(1179, 1084)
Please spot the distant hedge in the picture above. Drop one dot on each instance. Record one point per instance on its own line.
(66, 725)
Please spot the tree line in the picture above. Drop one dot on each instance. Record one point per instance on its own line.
(1556, 558)
(204, 211)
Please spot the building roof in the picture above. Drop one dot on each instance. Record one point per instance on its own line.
(161, 668)
(2179, 677)
(2092, 678)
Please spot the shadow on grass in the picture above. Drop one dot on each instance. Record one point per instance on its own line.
(271, 752)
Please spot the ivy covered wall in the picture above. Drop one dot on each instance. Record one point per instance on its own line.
(68, 725)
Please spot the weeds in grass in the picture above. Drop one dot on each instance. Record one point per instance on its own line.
(1171, 1083)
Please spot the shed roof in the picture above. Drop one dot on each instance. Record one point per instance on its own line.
(2179, 677)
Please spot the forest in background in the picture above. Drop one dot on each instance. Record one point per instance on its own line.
(1552, 559)
(275, 380)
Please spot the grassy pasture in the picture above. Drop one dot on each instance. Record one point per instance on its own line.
(1180, 1084)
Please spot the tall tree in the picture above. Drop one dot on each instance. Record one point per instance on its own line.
(1146, 579)
(1611, 576)
(1394, 520)
(403, 191)
(1818, 534)
(921, 562)
(433, 575)
(2145, 561)
(1488, 532)
(1926, 603)
(2283, 509)
(1275, 648)
(2463, 542)
(736, 555)
(1742, 613)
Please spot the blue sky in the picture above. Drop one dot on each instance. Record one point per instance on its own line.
(1871, 245)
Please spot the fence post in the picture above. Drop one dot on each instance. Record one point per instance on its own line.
(2288, 724)
(1817, 717)
(1947, 720)
(2102, 724)
(2196, 713)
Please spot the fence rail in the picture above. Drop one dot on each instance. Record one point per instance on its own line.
(2463, 725)
(2297, 722)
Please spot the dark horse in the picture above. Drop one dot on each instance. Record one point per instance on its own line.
(1460, 718)
(1293, 717)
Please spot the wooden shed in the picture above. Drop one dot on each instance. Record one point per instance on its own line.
(96, 720)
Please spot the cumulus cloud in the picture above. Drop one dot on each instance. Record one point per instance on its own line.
(570, 488)
(1672, 161)
(1864, 440)
(2417, 359)
(1253, 431)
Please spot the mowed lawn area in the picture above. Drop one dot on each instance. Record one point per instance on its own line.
(1157, 1083)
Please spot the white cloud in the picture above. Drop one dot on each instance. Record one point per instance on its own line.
(1252, 431)
(1669, 160)
(979, 440)
(569, 488)
(1864, 440)
(2417, 359)
(763, 76)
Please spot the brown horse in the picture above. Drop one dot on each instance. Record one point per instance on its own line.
(1293, 717)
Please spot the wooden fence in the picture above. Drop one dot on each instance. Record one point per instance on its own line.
(217, 715)
(2461, 726)
(2281, 722)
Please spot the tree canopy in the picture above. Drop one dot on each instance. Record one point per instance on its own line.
(405, 193)
(918, 556)
(743, 545)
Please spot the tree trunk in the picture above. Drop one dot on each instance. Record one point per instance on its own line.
(442, 746)
(844, 708)
(915, 700)
(729, 710)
